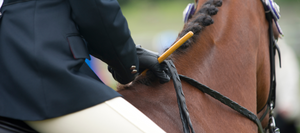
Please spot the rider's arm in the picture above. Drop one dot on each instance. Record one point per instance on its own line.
(104, 27)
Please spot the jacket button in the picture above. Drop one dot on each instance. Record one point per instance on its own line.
(134, 71)
(133, 67)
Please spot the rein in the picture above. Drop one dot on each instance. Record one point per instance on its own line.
(184, 115)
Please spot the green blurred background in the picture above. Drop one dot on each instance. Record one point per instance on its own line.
(154, 23)
(148, 19)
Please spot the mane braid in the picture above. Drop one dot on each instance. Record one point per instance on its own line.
(196, 24)
(199, 21)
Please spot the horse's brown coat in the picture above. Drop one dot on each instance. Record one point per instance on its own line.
(230, 56)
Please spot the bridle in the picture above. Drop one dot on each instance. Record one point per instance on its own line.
(272, 14)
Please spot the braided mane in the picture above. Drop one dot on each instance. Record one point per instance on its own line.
(199, 21)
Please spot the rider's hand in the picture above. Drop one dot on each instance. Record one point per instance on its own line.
(148, 60)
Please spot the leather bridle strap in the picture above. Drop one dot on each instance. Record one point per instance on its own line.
(265, 113)
(273, 47)
(184, 114)
(224, 100)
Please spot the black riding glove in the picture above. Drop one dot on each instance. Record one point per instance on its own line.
(148, 60)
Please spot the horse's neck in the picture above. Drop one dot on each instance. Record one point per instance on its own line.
(231, 55)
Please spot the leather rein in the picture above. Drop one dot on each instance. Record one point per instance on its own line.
(184, 115)
(273, 47)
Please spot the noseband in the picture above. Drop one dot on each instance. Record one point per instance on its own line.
(272, 13)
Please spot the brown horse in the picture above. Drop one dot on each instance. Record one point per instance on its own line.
(230, 56)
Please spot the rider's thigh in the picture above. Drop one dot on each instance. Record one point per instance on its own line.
(113, 116)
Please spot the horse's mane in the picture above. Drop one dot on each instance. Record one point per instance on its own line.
(196, 24)
(199, 21)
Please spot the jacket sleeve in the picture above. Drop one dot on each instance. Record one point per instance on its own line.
(105, 29)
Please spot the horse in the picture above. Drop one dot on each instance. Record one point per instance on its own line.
(228, 53)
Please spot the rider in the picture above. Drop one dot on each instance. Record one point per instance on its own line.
(44, 79)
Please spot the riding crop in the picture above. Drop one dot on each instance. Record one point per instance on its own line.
(172, 48)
